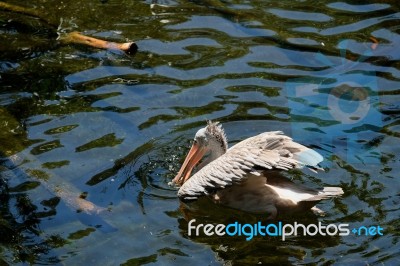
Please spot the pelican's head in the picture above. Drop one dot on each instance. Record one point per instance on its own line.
(210, 140)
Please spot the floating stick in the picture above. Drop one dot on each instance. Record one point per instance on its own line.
(73, 37)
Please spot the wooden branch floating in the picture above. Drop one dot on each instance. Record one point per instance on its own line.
(78, 38)
(129, 48)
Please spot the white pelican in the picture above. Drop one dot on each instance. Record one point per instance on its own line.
(246, 176)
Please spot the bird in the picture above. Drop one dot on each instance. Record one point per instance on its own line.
(248, 176)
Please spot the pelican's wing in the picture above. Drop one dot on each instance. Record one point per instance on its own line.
(269, 150)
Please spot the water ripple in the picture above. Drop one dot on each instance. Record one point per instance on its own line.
(222, 25)
(298, 15)
(358, 8)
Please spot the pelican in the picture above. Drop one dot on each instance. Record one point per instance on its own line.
(247, 175)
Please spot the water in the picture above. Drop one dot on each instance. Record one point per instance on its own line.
(91, 138)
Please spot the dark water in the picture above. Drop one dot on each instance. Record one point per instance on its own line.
(112, 130)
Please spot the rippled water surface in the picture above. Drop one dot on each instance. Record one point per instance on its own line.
(90, 138)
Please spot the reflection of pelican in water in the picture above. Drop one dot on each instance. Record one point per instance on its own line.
(245, 176)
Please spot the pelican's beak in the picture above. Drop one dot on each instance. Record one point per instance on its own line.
(195, 154)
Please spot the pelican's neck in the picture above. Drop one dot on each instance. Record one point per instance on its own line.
(217, 149)
(216, 143)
